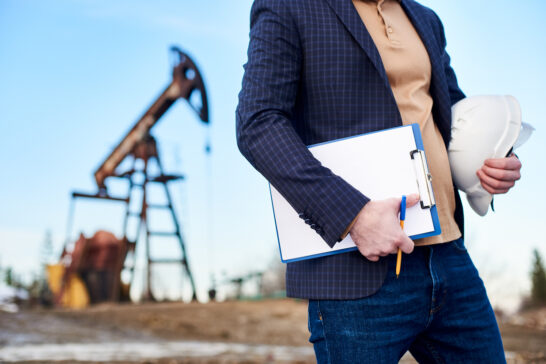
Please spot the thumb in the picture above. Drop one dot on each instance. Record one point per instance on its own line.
(412, 200)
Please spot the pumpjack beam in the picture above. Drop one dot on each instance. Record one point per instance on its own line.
(186, 81)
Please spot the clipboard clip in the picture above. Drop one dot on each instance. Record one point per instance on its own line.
(424, 178)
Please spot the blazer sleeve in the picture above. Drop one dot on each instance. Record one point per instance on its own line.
(265, 126)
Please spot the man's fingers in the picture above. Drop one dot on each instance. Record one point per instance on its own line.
(494, 182)
(498, 175)
(384, 235)
(406, 245)
(501, 174)
(492, 190)
(512, 163)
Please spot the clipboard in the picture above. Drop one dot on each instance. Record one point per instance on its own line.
(381, 164)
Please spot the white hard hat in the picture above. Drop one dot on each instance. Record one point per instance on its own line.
(482, 127)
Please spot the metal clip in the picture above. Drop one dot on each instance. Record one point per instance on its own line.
(424, 178)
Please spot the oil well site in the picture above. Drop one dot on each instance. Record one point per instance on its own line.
(132, 230)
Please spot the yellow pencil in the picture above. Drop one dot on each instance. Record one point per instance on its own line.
(402, 218)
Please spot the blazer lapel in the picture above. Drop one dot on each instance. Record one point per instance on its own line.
(438, 80)
(348, 15)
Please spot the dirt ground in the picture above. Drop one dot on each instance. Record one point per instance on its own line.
(267, 331)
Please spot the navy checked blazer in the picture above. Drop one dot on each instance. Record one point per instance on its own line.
(314, 74)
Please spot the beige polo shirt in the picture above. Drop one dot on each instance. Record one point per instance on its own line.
(408, 68)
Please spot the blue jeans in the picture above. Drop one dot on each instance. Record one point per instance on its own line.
(437, 309)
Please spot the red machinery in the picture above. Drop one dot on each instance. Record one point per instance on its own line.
(140, 147)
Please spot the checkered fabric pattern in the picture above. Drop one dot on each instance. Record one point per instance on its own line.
(313, 74)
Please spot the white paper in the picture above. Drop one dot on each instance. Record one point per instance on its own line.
(377, 164)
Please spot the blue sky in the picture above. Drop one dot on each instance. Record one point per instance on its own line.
(76, 74)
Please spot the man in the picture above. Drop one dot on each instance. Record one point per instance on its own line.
(321, 70)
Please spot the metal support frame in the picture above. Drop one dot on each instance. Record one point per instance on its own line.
(147, 152)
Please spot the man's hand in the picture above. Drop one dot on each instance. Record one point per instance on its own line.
(377, 230)
(499, 175)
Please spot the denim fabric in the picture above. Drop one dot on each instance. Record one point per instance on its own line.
(437, 309)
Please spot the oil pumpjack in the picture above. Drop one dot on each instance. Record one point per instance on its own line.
(140, 147)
